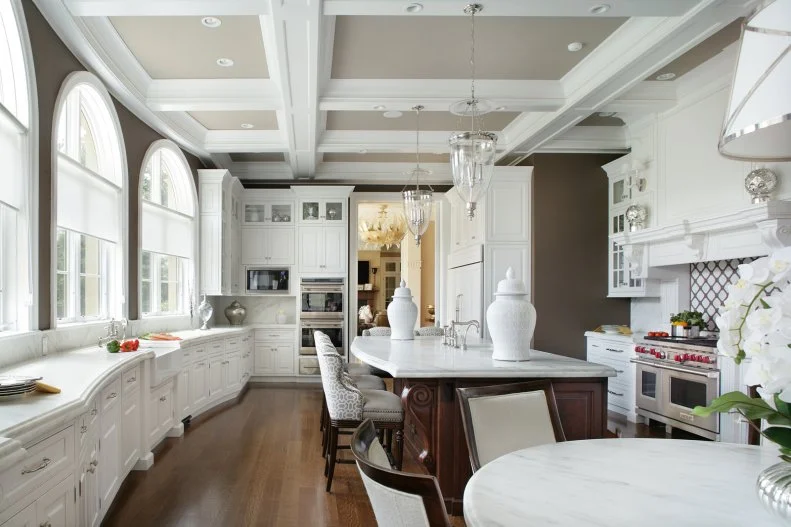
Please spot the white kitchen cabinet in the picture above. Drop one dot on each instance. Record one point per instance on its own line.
(284, 359)
(616, 352)
(199, 385)
(220, 220)
(131, 422)
(278, 212)
(322, 210)
(88, 509)
(463, 230)
(216, 367)
(161, 409)
(274, 356)
(232, 374)
(184, 399)
(322, 250)
(109, 467)
(56, 508)
(268, 245)
(498, 257)
(24, 518)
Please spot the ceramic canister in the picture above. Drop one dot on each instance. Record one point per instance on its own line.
(402, 314)
(511, 320)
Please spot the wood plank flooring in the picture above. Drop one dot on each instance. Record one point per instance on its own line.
(256, 462)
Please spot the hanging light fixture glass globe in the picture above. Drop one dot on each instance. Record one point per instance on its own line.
(417, 201)
(472, 153)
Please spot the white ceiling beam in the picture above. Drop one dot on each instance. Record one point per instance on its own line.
(261, 170)
(167, 7)
(618, 8)
(169, 95)
(438, 95)
(634, 51)
(381, 173)
(252, 141)
(355, 141)
(588, 139)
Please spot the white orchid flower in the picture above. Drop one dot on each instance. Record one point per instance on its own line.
(764, 321)
(756, 272)
(780, 264)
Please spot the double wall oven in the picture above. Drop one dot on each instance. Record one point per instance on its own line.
(673, 377)
(321, 309)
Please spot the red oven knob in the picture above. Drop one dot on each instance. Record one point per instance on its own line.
(707, 360)
(698, 358)
(686, 356)
(677, 358)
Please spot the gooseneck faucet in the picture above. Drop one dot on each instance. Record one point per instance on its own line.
(458, 306)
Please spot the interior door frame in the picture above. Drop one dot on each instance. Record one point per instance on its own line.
(441, 243)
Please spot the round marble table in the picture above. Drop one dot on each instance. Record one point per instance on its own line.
(621, 482)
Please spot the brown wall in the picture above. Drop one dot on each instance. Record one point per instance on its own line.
(53, 62)
(570, 252)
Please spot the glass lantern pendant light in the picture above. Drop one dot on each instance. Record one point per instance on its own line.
(417, 202)
(472, 153)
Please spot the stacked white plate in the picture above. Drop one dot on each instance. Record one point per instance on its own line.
(17, 385)
(610, 329)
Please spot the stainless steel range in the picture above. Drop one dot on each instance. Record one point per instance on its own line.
(674, 375)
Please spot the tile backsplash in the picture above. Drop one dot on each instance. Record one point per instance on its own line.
(708, 286)
(260, 309)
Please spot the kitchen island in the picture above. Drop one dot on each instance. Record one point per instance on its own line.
(426, 375)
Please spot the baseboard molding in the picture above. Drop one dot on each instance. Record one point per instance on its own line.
(145, 462)
(295, 379)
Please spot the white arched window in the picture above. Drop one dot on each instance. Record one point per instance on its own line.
(17, 179)
(168, 204)
(90, 164)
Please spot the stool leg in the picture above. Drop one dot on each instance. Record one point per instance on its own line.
(323, 418)
(332, 452)
(324, 443)
(399, 443)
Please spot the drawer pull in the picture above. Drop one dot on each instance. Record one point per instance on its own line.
(83, 429)
(93, 412)
(200, 364)
(45, 524)
(163, 398)
(618, 371)
(112, 395)
(131, 379)
(91, 470)
(199, 351)
(614, 350)
(95, 462)
(44, 464)
(614, 393)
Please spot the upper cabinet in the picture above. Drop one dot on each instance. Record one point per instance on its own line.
(220, 221)
(325, 210)
(280, 213)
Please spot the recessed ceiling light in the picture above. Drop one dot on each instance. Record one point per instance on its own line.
(224, 62)
(414, 8)
(211, 21)
(380, 107)
(575, 46)
(247, 126)
(666, 76)
(500, 108)
(598, 9)
(606, 114)
(393, 114)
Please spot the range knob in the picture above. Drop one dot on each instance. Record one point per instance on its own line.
(698, 358)
(661, 355)
(686, 356)
(678, 358)
(707, 360)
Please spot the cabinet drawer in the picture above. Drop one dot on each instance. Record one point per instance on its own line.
(621, 394)
(131, 379)
(43, 461)
(274, 334)
(109, 396)
(233, 343)
(309, 366)
(216, 347)
(187, 354)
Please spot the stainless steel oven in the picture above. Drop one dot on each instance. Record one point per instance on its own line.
(671, 381)
(332, 328)
(322, 298)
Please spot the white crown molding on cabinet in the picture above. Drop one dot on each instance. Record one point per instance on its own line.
(166, 7)
(170, 95)
(588, 139)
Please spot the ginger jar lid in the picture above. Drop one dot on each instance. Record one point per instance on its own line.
(511, 286)
(402, 291)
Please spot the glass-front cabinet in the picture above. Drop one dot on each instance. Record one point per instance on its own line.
(322, 211)
(269, 212)
(621, 279)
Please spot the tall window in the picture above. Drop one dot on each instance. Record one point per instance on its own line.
(167, 192)
(16, 178)
(89, 271)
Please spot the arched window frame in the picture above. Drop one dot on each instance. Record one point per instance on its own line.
(19, 193)
(163, 231)
(110, 178)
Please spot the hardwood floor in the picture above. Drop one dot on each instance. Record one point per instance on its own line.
(256, 462)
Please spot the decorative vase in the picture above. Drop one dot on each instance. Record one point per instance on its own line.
(235, 313)
(402, 314)
(205, 311)
(511, 320)
(280, 318)
(380, 320)
(774, 489)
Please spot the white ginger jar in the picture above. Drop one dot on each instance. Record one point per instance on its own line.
(511, 320)
(402, 314)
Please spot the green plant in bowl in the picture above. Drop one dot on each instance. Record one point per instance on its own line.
(688, 319)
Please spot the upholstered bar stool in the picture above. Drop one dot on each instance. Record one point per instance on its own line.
(430, 331)
(348, 406)
(377, 332)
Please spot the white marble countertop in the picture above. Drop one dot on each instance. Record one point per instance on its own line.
(426, 357)
(621, 482)
(611, 336)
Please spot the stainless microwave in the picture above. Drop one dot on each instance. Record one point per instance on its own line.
(267, 280)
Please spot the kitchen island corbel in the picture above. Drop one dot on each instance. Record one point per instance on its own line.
(426, 375)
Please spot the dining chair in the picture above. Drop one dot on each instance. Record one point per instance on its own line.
(377, 332)
(399, 499)
(348, 406)
(503, 418)
(429, 331)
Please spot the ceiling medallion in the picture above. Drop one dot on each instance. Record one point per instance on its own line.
(472, 153)
(417, 201)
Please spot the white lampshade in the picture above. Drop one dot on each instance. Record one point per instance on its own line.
(758, 120)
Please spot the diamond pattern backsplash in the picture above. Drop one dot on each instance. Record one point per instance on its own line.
(708, 286)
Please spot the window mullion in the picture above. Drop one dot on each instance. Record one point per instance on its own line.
(73, 275)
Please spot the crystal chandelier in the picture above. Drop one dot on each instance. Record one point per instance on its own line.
(383, 232)
(417, 202)
(472, 153)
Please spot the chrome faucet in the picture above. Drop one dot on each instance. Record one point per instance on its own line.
(454, 338)
(116, 330)
(458, 306)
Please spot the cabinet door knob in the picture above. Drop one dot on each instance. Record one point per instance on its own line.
(163, 398)
(95, 462)
(112, 395)
(131, 379)
(93, 412)
(83, 429)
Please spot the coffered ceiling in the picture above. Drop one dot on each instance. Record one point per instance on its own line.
(315, 78)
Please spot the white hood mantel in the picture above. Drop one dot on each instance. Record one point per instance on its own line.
(753, 231)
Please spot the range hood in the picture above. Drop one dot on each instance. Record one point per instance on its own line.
(754, 231)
